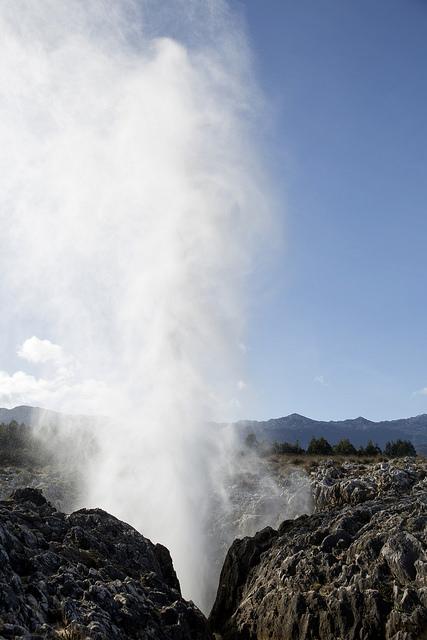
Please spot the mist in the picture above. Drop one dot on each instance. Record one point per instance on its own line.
(133, 206)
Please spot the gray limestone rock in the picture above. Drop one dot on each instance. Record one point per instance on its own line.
(86, 575)
(356, 569)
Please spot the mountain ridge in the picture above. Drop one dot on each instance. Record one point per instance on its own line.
(288, 428)
(359, 430)
(35, 416)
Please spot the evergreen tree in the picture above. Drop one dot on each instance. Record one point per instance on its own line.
(344, 448)
(371, 449)
(399, 448)
(319, 447)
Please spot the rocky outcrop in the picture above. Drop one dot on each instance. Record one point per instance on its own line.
(86, 575)
(335, 485)
(354, 570)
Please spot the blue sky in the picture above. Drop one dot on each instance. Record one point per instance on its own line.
(336, 326)
(339, 328)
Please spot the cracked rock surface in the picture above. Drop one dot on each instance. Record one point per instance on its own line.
(336, 485)
(355, 569)
(86, 575)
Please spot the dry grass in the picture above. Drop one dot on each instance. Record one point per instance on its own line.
(282, 462)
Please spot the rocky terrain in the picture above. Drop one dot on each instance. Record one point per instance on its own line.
(86, 575)
(250, 497)
(355, 569)
(349, 483)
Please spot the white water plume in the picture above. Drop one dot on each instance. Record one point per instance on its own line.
(131, 203)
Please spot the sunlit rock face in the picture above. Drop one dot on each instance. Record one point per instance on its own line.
(87, 575)
(336, 485)
(356, 570)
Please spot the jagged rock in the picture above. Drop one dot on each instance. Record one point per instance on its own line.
(351, 571)
(335, 484)
(88, 574)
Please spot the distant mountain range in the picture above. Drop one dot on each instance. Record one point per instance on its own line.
(289, 428)
(358, 430)
(34, 416)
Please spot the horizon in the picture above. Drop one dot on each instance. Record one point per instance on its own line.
(288, 415)
(210, 210)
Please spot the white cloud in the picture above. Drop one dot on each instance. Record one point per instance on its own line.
(241, 385)
(58, 392)
(62, 389)
(41, 351)
(420, 392)
(321, 380)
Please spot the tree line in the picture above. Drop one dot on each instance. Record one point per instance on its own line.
(321, 447)
(18, 445)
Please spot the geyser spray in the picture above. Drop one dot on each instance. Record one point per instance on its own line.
(132, 200)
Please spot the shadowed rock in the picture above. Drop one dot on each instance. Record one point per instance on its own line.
(86, 574)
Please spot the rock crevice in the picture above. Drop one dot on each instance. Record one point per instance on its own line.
(355, 569)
